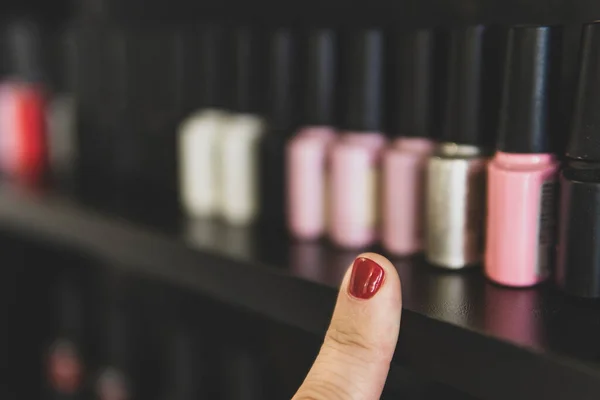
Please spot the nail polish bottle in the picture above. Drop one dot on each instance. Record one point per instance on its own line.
(114, 338)
(243, 131)
(578, 249)
(307, 151)
(60, 115)
(188, 358)
(456, 173)
(405, 160)
(200, 134)
(23, 154)
(283, 94)
(65, 359)
(522, 174)
(355, 158)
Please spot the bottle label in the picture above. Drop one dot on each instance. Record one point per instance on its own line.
(546, 227)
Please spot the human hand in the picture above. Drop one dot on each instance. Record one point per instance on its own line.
(355, 357)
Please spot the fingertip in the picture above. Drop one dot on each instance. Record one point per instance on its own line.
(369, 275)
(360, 342)
(390, 270)
(391, 273)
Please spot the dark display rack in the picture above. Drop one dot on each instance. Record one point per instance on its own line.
(487, 341)
(401, 14)
(458, 329)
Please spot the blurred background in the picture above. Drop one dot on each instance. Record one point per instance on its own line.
(120, 281)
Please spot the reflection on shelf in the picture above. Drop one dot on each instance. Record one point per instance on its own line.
(509, 315)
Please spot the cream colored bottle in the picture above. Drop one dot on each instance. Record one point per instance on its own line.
(199, 162)
(239, 150)
(201, 133)
(243, 131)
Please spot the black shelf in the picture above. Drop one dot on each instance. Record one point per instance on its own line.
(400, 14)
(487, 341)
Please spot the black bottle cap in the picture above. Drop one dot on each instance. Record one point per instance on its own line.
(283, 79)
(213, 69)
(584, 142)
(249, 71)
(24, 51)
(473, 86)
(365, 108)
(529, 82)
(414, 84)
(321, 77)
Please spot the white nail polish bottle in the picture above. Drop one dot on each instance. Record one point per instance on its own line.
(200, 134)
(242, 132)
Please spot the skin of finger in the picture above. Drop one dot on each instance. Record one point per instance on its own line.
(354, 360)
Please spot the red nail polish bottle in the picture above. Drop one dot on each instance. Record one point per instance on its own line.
(22, 106)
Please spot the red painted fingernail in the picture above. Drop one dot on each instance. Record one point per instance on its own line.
(366, 279)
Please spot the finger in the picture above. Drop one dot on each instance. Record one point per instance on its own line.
(355, 357)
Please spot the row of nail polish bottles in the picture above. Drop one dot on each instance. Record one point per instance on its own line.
(235, 164)
(434, 195)
(333, 177)
(356, 186)
(521, 242)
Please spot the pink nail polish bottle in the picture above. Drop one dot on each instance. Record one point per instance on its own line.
(405, 160)
(522, 175)
(355, 157)
(307, 151)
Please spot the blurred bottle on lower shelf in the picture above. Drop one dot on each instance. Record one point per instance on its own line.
(244, 374)
(114, 348)
(66, 357)
(189, 348)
